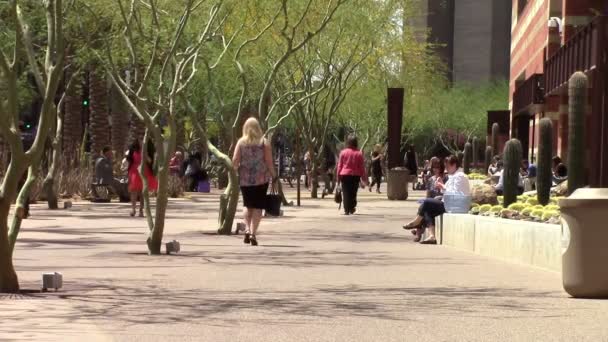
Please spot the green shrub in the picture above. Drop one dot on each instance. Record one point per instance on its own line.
(552, 207)
(496, 209)
(549, 214)
(518, 206)
(485, 208)
(474, 205)
(532, 201)
(501, 199)
(537, 213)
(527, 211)
(538, 206)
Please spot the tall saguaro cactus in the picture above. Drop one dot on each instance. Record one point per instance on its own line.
(512, 158)
(577, 93)
(495, 139)
(475, 151)
(545, 153)
(488, 157)
(467, 159)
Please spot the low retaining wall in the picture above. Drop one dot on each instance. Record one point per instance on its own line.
(530, 243)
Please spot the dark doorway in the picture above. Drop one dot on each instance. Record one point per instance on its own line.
(522, 133)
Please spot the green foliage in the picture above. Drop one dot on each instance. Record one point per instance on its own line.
(577, 93)
(512, 164)
(442, 114)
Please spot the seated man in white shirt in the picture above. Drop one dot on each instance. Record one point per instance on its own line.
(501, 184)
(458, 183)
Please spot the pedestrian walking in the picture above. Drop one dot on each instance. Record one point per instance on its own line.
(135, 158)
(377, 159)
(351, 172)
(253, 160)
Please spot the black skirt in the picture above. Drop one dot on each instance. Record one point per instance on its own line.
(254, 197)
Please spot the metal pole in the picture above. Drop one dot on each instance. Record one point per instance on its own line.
(298, 167)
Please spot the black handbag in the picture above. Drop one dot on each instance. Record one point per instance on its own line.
(338, 196)
(273, 203)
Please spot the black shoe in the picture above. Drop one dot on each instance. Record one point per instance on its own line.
(254, 241)
(247, 238)
(429, 242)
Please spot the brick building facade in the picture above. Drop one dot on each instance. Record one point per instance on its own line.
(550, 40)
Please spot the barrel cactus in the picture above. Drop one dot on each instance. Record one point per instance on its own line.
(512, 163)
(543, 169)
(468, 157)
(475, 152)
(495, 139)
(577, 93)
(488, 157)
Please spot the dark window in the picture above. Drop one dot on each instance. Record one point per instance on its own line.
(521, 6)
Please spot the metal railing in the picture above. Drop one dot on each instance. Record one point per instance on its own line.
(581, 53)
(530, 92)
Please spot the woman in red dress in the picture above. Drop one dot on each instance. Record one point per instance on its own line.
(136, 185)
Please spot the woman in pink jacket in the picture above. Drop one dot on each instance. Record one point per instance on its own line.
(351, 172)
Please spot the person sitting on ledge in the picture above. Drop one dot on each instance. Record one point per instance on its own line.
(458, 183)
(560, 171)
(501, 182)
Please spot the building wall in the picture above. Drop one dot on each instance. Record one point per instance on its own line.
(440, 20)
(529, 37)
(473, 40)
(472, 37)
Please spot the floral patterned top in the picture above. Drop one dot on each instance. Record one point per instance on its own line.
(253, 170)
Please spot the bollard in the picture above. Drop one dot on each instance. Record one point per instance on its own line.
(172, 247)
(52, 280)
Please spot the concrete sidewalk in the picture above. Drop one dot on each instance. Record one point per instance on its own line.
(317, 276)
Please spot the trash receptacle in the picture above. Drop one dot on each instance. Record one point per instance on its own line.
(397, 184)
(585, 243)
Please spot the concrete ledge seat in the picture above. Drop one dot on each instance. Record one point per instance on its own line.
(530, 243)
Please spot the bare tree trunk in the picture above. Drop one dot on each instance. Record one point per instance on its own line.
(230, 198)
(49, 186)
(155, 238)
(8, 277)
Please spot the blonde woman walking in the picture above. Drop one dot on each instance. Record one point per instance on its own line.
(253, 160)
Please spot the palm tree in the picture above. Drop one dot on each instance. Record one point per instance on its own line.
(99, 125)
(72, 122)
(120, 123)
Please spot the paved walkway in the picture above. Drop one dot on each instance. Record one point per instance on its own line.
(317, 276)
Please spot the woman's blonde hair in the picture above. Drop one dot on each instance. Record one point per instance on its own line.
(378, 148)
(252, 132)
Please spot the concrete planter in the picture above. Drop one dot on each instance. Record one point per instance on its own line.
(397, 184)
(586, 243)
(529, 243)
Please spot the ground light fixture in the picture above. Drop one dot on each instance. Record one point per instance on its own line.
(52, 280)
(172, 247)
